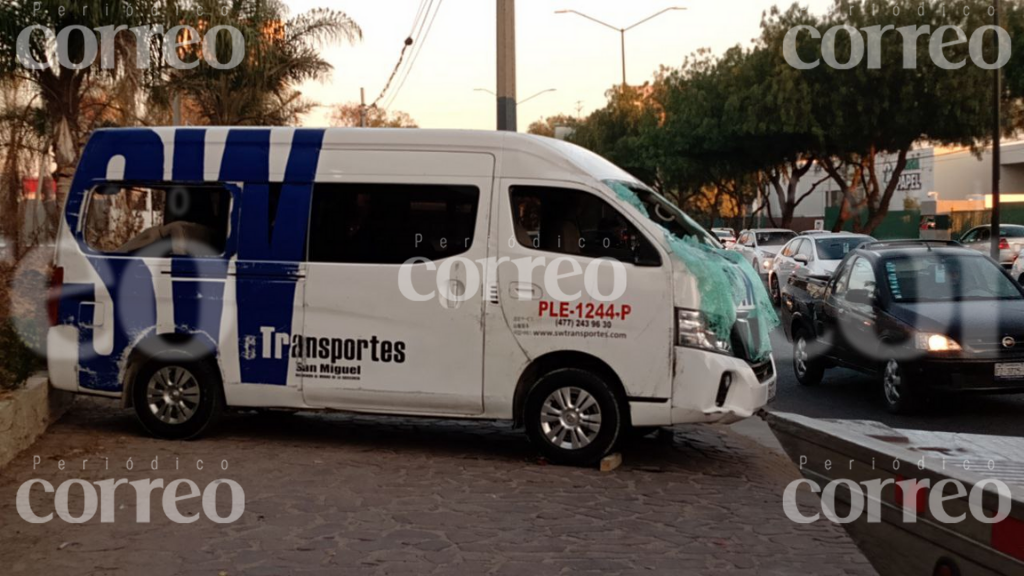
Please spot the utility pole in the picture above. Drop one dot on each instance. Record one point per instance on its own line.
(507, 65)
(996, 152)
(176, 109)
(362, 107)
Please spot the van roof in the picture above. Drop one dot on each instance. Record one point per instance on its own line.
(515, 153)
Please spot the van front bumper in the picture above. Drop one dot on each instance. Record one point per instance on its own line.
(699, 395)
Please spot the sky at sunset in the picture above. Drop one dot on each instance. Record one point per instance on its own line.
(578, 58)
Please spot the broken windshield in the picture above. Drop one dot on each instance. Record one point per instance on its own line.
(659, 210)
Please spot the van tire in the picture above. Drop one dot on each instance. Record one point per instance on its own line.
(571, 406)
(197, 398)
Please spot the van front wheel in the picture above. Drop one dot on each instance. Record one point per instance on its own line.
(573, 417)
(177, 398)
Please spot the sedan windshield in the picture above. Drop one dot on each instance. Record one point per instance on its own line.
(775, 238)
(946, 278)
(836, 248)
(663, 212)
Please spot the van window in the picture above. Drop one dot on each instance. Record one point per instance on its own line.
(577, 223)
(158, 220)
(391, 223)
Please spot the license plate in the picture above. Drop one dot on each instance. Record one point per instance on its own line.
(774, 387)
(1010, 371)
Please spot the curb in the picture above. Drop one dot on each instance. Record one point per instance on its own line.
(27, 412)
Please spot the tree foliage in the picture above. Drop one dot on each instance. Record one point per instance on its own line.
(280, 53)
(547, 126)
(350, 115)
(720, 132)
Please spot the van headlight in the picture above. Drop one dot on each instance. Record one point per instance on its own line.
(936, 343)
(692, 331)
(767, 264)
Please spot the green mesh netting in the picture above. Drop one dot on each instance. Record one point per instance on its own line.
(628, 196)
(722, 287)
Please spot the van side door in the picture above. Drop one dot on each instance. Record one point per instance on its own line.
(394, 309)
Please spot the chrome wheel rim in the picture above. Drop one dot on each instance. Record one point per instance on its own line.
(570, 418)
(891, 382)
(800, 356)
(173, 395)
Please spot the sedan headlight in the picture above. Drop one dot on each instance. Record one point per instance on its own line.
(692, 331)
(767, 264)
(936, 343)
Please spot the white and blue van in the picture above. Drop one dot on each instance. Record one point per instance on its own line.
(438, 273)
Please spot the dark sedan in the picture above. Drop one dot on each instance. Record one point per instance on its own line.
(923, 316)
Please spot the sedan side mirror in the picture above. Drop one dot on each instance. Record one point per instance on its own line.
(866, 297)
(801, 258)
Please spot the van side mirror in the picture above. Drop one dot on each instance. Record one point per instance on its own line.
(865, 297)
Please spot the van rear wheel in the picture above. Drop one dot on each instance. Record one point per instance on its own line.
(177, 398)
(573, 417)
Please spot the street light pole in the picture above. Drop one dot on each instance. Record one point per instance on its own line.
(996, 152)
(621, 31)
(622, 36)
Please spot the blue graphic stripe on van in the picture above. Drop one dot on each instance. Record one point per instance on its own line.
(198, 304)
(127, 280)
(246, 156)
(131, 290)
(265, 293)
(266, 290)
(189, 153)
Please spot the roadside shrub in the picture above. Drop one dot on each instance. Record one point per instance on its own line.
(17, 360)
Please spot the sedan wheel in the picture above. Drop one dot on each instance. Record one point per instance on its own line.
(809, 371)
(891, 382)
(898, 392)
(776, 294)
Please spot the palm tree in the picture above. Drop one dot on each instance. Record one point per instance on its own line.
(72, 99)
(280, 53)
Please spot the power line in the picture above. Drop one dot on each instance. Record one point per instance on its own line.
(405, 47)
(416, 54)
(419, 12)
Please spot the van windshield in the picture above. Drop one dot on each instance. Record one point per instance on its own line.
(658, 209)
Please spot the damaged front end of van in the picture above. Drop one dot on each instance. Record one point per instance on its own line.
(723, 368)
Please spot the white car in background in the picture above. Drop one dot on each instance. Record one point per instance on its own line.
(727, 236)
(760, 245)
(820, 254)
(1017, 271)
(1011, 240)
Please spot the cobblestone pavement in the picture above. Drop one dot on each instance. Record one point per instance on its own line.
(342, 494)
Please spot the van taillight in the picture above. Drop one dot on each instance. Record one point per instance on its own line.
(53, 297)
(1003, 244)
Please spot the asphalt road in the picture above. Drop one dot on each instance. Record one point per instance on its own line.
(849, 395)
